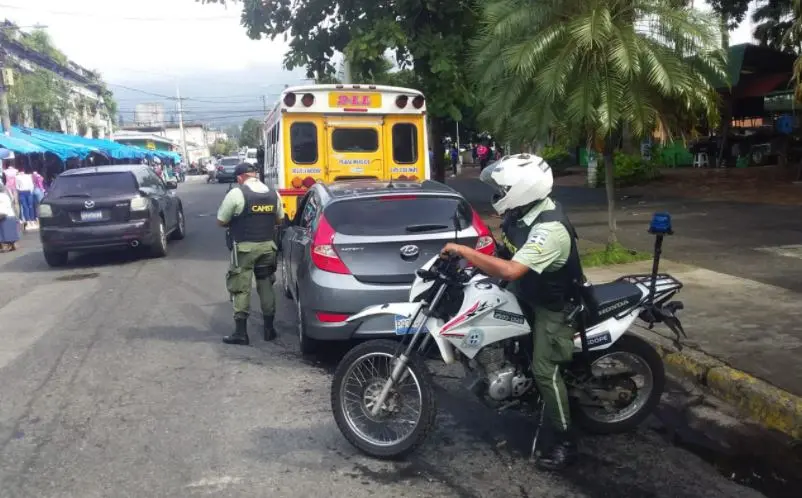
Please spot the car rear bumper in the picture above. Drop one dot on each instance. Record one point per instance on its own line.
(342, 294)
(84, 238)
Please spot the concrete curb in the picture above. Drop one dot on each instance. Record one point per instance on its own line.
(764, 403)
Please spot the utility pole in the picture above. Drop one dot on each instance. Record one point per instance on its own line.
(181, 123)
(4, 112)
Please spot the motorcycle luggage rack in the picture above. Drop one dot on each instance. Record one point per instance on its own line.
(646, 278)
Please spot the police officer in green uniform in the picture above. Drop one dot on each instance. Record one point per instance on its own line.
(251, 212)
(545, 274)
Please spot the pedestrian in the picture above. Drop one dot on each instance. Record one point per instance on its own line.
(9, 225)
(38, 193)
(454, 159)
(431, 157)
(482, 152)
(545, 273)
(25, 188)
(474, 155)
(251, 212)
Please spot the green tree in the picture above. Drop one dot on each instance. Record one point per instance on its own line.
(251, 133)
(595, 67)
(43, 94)
(223, 147)
(429, 38)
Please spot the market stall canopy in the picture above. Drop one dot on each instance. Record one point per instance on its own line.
(107, 147)
(20, 145)
(59, 146)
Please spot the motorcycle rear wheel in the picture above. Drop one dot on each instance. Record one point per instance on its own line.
(634, 413)
(352, 388)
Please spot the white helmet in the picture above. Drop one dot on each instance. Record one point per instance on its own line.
(518, 180)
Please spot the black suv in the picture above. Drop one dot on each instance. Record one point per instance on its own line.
(108, 207)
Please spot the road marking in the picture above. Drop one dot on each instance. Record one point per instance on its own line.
(789, 251)
(214, 482)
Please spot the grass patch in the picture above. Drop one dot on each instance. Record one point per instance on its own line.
(614, 254)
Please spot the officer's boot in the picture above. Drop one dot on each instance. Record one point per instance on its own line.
(270, 332)
(561, 454)
(240, 335)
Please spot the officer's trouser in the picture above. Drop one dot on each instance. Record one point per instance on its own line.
(553, 346)
(259, 262)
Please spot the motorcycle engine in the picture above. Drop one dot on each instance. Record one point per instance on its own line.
(503, 380)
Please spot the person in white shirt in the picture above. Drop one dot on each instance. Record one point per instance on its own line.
(9, 225)
(27, 203)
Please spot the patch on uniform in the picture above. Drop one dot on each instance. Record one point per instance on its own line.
(537, 239)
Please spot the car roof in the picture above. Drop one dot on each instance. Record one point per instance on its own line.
(111, 168)
(376, 188)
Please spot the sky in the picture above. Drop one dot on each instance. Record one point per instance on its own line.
(146, 47)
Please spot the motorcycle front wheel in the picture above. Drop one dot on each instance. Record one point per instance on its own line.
(408, 414)
(628, 381)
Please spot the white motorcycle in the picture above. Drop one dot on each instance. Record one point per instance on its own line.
(383, 394)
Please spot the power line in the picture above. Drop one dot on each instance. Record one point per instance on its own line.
(117, 18)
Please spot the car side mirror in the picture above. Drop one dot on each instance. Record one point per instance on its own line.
(171, 185)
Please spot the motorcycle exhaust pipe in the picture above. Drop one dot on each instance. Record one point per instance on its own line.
(134, 244)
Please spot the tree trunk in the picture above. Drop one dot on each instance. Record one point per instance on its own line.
(436, 143)
(609, 187)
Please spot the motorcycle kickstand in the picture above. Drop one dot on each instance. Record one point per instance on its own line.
(541, 406)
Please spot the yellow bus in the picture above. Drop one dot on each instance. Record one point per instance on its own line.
(325, 133)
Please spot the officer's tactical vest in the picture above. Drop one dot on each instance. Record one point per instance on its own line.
(550, 289)
(257, 222)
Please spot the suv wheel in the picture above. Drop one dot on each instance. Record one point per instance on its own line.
(308, 345)
(181, 226)
(159, 247)
(56, 258)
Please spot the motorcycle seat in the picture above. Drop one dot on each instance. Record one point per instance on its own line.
(613, 298)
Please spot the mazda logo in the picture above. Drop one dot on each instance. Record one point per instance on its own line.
(410, 252)
(89, 204)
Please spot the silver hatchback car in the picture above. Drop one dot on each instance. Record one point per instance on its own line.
(358, 243)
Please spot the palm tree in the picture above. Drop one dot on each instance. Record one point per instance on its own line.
(595, 67)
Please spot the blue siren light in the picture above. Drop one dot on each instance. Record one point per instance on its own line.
(661, 224)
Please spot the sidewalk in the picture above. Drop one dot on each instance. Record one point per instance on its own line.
(744, 339)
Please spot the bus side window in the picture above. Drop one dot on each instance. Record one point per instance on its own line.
(405, 143)
(303, 143)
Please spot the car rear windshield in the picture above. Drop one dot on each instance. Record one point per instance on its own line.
(98, 184)
(233, 161)
(397, 215)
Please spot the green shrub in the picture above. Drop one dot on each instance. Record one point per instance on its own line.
(630, 169)
(558, 158)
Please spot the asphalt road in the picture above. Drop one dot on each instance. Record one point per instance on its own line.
(114, 383)
(759, 242)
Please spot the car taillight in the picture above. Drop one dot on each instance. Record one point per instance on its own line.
(324, 256)
(485, 243)
(219, 168)
(326, 317)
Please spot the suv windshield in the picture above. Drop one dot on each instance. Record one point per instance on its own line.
(229, 161)
(99, 184)
(397, 215)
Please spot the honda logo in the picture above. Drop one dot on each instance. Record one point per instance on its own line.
(410, 252)
(89, 204)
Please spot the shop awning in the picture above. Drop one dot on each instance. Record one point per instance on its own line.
(761, 86)
(61, 148)
(19, 145)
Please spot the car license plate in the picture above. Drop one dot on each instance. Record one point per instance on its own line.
(91, 215)
(402, 324)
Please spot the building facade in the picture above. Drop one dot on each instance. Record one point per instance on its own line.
(83, 109)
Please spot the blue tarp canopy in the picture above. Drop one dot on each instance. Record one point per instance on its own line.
(106, 147)
(20, 145)
(61, 147)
